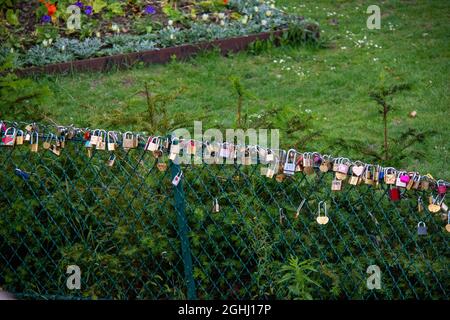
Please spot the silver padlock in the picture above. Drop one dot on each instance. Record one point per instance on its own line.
(422, 229)
(289, 165)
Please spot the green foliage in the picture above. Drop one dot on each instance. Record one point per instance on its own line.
(173, 13)
(239, 90)
(296, 276)
(20, 99)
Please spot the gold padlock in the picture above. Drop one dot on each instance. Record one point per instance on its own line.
(19, 137)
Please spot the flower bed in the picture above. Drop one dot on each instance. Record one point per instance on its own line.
(36, 32)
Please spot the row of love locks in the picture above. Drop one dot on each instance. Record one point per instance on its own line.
(276, 163)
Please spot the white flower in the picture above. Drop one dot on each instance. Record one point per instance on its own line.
(245, 20)
(63, 48)
(115, 27)
(268, 13)
(172, 36)
(97, 34)
(205, 17)
(170, 22)
(45, 43)
(256, 9)
(221, 15)
(222, 23)
(50, 41)
(263, 22)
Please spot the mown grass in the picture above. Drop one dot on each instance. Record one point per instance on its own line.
(330, 85)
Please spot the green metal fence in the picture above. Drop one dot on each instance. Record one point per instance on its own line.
(135, 235)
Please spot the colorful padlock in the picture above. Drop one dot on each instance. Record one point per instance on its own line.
(394, 194)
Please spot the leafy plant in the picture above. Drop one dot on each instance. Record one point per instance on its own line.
(381, 97)
(296, 275)
(239, 90)
(20, 99)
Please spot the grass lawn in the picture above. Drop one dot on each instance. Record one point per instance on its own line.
(327, 87)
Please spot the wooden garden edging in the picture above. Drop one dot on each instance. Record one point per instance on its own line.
(163, 55)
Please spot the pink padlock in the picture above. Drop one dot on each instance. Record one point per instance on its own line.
(405, 178)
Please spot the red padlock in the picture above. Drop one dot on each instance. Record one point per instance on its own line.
(442, 189)
(394, 194)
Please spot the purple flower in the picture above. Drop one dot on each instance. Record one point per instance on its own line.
(88, 10)
(79, 4)
(46, 19)
(149, 10)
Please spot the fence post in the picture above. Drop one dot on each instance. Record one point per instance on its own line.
(183, 232)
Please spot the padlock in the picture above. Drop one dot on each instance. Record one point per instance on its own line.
(389, 176)
(441, 187)
(369, 175)
(175, 146)
(101, 140)
(111, 140)
(176, 180)
(111, 160)
(325, 166)
(419, 205)
(191, 147)
(9, 138)
(246, 159)
(421, 229)
(394, 194)
(62, 141)
(416, 183)
(136, 141)
(225, 150)
(410, 183)
(19, 137)
(424, 183)
(162, 166)
(34, 141)
(404, 178)
(340, 176)
(289, 165)
(55, 149)
(24, 175)
(153, 144)
(400, 180)
(433, 206)
(270, 172)
(308, 163)
(269, 155)
(343, 166)
(322, 219)
(27, 136)
(94, 137)
(128, 140)
(48, 139)
(216, 207)
(336, 185)
(381, 175)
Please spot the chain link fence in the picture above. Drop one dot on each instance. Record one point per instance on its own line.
(224, 232)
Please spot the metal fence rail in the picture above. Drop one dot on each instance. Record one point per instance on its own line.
(135, 235)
